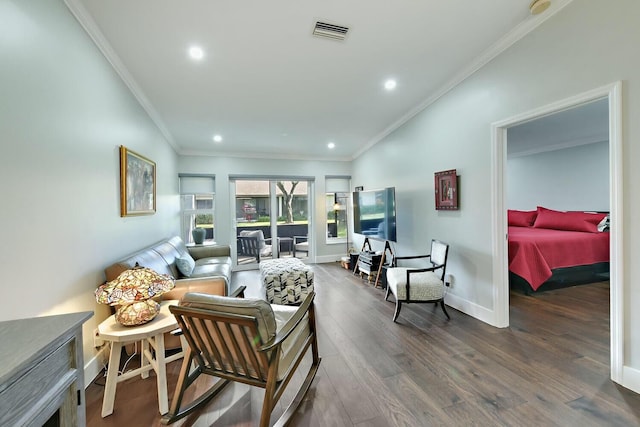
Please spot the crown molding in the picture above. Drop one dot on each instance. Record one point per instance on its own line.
(92, 29)
(559, 145)
(524, 28)
(257, 155)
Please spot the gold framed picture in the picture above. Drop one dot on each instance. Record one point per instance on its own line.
(137, 184)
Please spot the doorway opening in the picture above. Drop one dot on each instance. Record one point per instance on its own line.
(612, 93)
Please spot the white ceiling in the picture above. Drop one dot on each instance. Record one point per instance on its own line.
(271, 89)
(584, 124)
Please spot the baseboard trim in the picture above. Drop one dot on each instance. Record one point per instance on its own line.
(94, 366)
(472, 309)
(328, 258)
(631, 378)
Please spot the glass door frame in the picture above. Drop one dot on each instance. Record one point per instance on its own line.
(273, 216)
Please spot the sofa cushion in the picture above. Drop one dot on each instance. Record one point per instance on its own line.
(170, 253)
(214, 251)
(212, 270)
(214, 260)
(145, 258)
(185, 265)
(177, 243)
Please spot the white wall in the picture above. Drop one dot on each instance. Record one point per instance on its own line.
(222, 167)
(586, 45)
(574, 178)
(63, 114)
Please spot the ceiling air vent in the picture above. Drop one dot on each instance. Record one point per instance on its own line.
(330, 31)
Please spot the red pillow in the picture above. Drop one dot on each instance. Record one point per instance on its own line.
(521, 218)
(570, 221)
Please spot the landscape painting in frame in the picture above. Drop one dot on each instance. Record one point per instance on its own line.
(446, 186)
(137, 184)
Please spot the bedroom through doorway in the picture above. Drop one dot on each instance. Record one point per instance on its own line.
(562, 187)
(558, 199)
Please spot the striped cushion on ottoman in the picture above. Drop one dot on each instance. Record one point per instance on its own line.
(286, 280)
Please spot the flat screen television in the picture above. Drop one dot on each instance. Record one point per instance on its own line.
(374, 213)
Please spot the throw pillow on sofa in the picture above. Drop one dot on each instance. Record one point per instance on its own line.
(185, 265)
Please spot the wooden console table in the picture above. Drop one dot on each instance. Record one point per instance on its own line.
(42, 371)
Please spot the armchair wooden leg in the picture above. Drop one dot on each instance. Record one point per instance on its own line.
(386, 295)
(444, 309)
(398, 307)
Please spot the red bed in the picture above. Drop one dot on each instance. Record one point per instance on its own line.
(535, 252)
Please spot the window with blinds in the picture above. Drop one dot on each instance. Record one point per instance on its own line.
(197, 206)
(337, 189)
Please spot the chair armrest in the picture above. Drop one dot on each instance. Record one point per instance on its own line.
(291, 324)
(412, 257)
(423, 270)
(198, 252)
(396, 258)
(239, 292)
(299, 239)
(215, 285)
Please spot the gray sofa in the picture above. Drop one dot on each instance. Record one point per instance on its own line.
(211, 273)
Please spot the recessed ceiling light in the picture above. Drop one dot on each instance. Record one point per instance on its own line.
(196, 53)
(217, 138)
(331, 145)
(390, 84)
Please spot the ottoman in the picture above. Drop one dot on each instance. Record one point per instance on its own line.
(286, 280)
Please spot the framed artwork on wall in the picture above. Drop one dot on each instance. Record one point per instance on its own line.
(137, 184)
(446, 189)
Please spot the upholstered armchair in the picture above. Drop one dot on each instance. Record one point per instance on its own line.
(416, 284)
(253, 244)
(300, 244)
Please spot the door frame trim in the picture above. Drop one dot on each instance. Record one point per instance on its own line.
(613, 92)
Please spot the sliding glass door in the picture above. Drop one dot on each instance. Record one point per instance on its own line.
(272, 219)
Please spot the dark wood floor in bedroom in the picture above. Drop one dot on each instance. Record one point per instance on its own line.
(550, 368)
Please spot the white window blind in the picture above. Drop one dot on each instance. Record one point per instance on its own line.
(197, 184)
(337, 184)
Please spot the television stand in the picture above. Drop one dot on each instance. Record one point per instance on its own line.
(371, 263)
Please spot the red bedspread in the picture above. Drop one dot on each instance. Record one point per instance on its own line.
(534, 252)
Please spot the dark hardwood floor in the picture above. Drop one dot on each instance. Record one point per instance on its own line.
(550, 368)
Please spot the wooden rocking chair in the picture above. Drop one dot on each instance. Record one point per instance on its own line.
(245, 340)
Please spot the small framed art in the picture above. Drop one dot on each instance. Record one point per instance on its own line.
(137, 184)
(446, 189)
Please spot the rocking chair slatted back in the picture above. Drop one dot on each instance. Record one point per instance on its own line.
(238, 339)
(224, 343)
